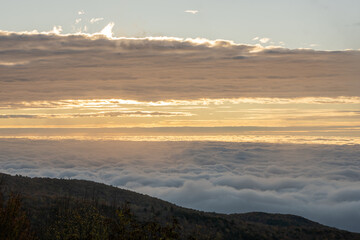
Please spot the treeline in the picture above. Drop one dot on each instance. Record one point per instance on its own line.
(74, 209)
(14, 223)
(73, 219)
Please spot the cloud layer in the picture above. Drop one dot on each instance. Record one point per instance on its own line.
(51, 66)
(320, 182)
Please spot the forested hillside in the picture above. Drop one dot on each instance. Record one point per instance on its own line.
(44, 208)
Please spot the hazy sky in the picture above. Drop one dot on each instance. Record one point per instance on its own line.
(319, 24)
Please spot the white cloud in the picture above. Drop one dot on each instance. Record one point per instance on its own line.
(94, 20)
(56, 30)
(108, 30)
(78, 20)
(264, 40)
(192, 11)
(81, 12)
(319, 182)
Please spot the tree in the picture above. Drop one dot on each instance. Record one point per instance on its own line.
(14, 223)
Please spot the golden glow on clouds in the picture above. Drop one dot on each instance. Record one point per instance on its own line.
(259, 112)
(102, 81)
(228, 138)
(114, 103)
(13, 63)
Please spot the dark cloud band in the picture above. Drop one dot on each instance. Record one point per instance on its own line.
(39, 66)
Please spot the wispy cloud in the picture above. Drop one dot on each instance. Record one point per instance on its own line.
(99, 114)
(12, 64)
(94, 20)
(18, 116)
(264, 40)
(81, 12)
(78, 20)
(192, 11)
(118, 103)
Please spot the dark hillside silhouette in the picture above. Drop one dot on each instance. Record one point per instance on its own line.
(47, 208)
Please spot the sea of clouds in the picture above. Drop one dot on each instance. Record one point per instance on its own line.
(319, 182)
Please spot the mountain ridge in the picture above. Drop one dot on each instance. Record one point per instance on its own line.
(42, 194)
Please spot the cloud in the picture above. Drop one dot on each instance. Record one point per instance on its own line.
(94, 20)
(108, 30)
(11, 64)
(114, 67)
(99, 114)
(319, 182)
(81, 12)
(56, 30)
(192, 11)
(78, 20)
(191, 104)
(264, 40)
(18, 116)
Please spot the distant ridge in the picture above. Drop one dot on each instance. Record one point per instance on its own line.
(41, 195)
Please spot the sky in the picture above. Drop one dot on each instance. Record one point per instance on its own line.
(236, 106)
(320, 24)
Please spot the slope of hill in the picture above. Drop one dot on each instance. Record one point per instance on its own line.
(43, 198)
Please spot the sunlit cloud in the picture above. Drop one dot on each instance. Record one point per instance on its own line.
(78, 20)
(94, 20)
(99, 114)
(57, 30)
(108, 30)
(81, 12)
(192, 11)
(268, 112)
(264, 40)
(113, 103)
(94, 80)
(11, 64)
